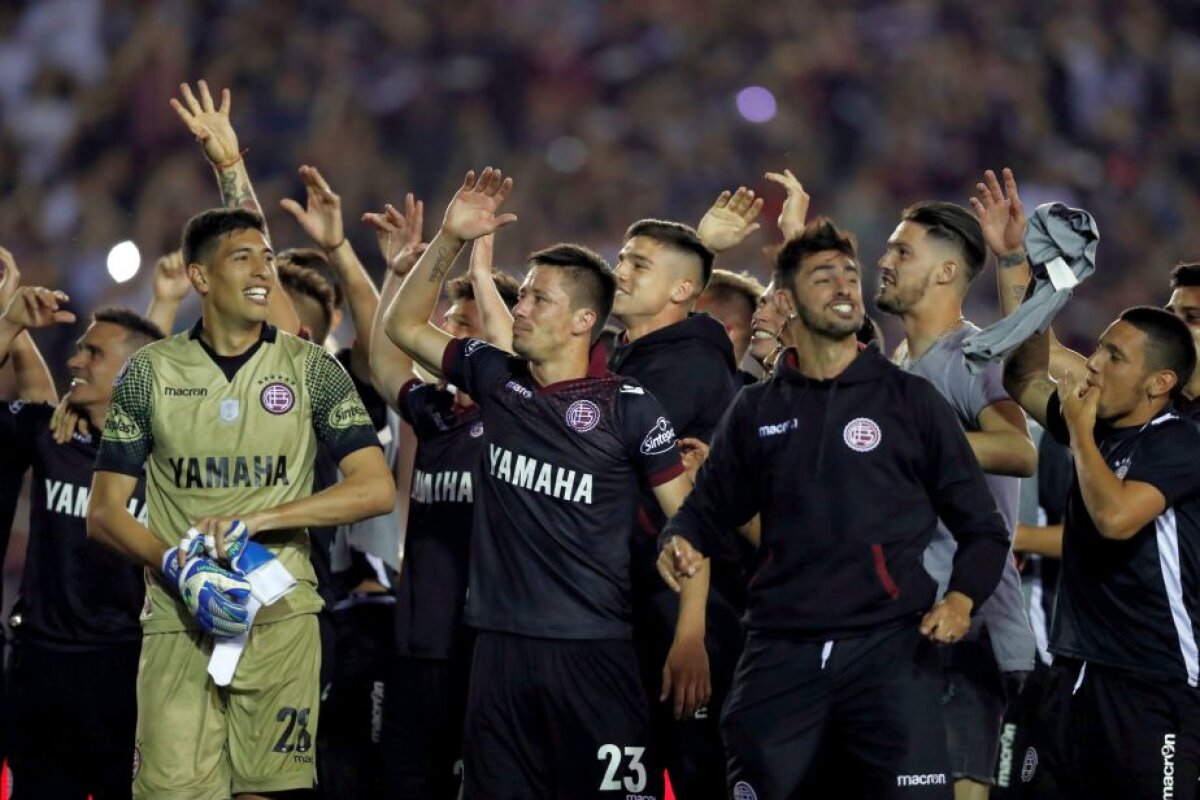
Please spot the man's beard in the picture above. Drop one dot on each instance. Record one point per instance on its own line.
(836, 329)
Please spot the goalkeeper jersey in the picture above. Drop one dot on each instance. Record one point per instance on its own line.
(225, 435)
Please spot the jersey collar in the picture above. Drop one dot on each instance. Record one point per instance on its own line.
(266, 334)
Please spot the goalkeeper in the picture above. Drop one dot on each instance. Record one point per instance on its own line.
(226, 418)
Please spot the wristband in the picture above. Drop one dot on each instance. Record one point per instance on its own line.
(233, 162)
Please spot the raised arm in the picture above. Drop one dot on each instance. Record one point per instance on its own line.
(35, 383)
(471, 214)
(730, 220)
(795, 206)
(171, 285)
(496, 317)
(213, 130)
(1002, 445)
(1002, 217)
(30, 308)
(321, 219)
(400, 242)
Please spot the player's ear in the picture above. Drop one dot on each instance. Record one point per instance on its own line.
(582, 322)
(198, 276)
(785, 301)
(947, 271)
(1160, 383)
(683, 290)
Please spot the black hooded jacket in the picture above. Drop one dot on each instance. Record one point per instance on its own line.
(689, 368)
(850, 476)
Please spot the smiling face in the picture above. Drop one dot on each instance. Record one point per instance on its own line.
(768, 323)
(238, 278)
(650, 276)
(828, 294)
(99, 355)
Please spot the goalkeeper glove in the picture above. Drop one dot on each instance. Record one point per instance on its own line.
(215, 596)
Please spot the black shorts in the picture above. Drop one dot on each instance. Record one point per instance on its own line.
(1104, 733)
(348, 740)
(73, 721)
(871, 704)
(1017, 761)
(690, 749)
(423, 715)
(974, 702)
(557, 719)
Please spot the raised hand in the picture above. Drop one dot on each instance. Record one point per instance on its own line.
(321, 219)
(399, 234)
(482, 256)
(795, 206)
(730, 220)
(1001, 214)
(208, 123)
(171, 283)
(472, 210)
(36, 307)
(10, 278)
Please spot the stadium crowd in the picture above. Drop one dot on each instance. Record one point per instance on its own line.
(397, 529)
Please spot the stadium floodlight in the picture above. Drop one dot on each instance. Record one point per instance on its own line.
(756, 104)
(123, 261)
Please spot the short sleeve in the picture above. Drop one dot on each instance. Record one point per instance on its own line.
(1056, 423)
(474, 366)
(411, 400)
(1166, 459)
(339, 418)
(649, 435)
(986, 388)
(128, 433)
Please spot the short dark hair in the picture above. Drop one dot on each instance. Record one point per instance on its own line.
(136, 326)
(315, 260)
(952, 223)
(1169, 342)
(679, 236)
(590, 282)
(202, 231)
(308, 283)
(461, 288)
(1185, 275)
(743, 286)
(818, 235)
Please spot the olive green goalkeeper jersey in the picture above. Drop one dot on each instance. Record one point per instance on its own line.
(227, 436)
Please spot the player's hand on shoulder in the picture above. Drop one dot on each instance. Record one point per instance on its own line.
(472, 210)
(38, 307)
(693, 452)
(686, 680)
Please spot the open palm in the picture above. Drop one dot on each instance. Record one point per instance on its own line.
(730, 220)
(1001, 213)
(472, 211)
(207, 122)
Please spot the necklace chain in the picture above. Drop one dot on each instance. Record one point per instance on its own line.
(909, 363)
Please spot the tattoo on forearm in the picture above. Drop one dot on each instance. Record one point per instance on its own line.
(1018, 291)
(443, 262)
(1012, 259)
(235, 193)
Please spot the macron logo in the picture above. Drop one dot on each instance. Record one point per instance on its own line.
(932, 779)
(765, 431)
(517, 388)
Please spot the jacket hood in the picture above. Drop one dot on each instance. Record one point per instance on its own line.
(697, 328)
(870, 365)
